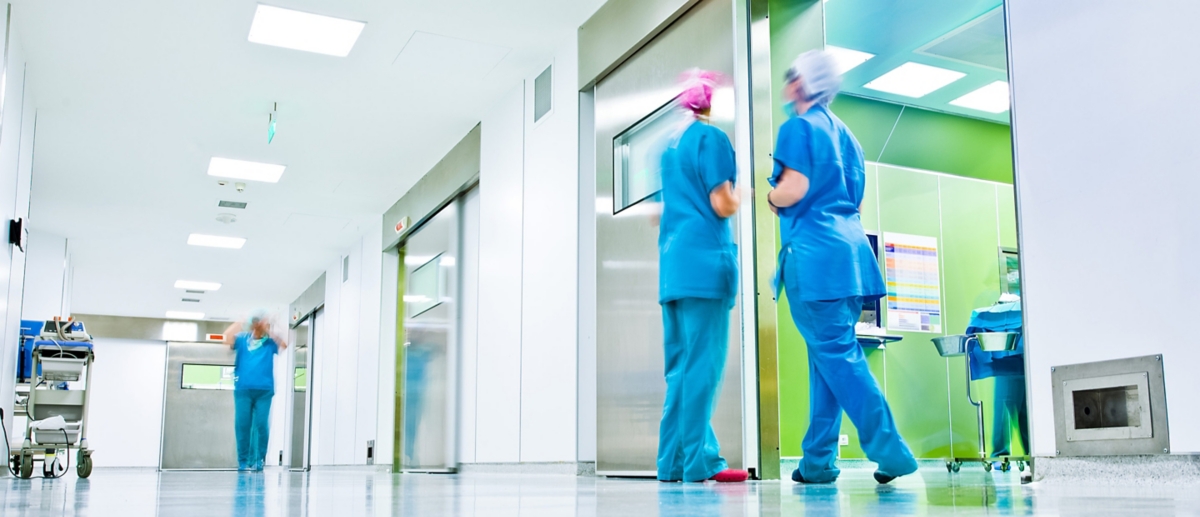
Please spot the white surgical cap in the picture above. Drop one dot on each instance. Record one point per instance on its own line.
(821, 78)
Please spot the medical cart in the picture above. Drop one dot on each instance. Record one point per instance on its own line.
(959, 346)
(54, 361)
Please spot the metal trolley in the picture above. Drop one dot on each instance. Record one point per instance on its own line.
(56, 412)
(957, 346)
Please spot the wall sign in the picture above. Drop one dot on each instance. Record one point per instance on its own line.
(914, 298)
(402, 225)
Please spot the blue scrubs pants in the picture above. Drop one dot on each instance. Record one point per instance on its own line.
(695, 342)
(1009, 405)
(839, 379)
(251, 421)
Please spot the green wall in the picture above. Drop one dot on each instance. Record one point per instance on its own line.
(970, 218)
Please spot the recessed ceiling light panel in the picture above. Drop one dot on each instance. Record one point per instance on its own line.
(304, 31)
(185, 315)
(992, 98)
(847, 59)
(198, 286)
(244, 170)
(914, 80)
(216, 241)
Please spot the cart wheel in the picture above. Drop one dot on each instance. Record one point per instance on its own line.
(26, 466)
(987, 466)
(1021, 466)
(84, 466)
(957, 466)
(1005, 467)
(949, 466)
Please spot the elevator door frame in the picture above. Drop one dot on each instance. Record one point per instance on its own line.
(453, 348)
(306, 458)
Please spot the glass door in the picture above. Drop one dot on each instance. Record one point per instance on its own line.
(428, 376)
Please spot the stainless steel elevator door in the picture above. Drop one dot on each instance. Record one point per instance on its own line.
(198, 419)
(429, 378)
(629, 333)
(300, 390)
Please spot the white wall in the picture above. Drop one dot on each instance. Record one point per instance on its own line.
(549, 273)
(125, 413)
(526, 358)
(345, 374)
(1105, 112)
(47, 273)
(17, 124)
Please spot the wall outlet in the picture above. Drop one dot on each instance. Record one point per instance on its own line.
(843, 440)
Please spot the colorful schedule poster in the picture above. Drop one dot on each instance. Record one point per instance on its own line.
(914, 298)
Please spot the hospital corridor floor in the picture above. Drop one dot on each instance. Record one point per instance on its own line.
(362, 492)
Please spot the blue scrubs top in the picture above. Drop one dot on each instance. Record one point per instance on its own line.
(697, 256)
(825, 254)
(254, 363)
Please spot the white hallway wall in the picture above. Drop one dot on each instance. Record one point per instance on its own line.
(518, 381)
(525, 385)
(1106, 182)
(345, 358)
(47, 277)
(17, 129)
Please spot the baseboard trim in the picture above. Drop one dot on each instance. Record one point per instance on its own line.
(562, 468)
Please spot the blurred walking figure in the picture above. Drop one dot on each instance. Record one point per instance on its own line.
(254, 346)
(827, 268)
(697, 282)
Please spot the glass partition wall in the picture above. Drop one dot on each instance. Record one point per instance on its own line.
(925, 92)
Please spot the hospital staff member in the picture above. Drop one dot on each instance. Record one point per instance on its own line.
(697, 284)
(255, 347)
(827, 269)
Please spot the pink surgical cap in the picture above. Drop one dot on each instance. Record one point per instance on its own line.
(698, 86)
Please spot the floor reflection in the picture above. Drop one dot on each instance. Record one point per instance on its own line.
(369, 492)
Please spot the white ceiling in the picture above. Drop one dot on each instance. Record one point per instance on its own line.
(135, 96)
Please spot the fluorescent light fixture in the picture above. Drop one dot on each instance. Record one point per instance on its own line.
(185, 315)
(914, 80)
(244, 170)
(304, 31)
(215, 241)
(847, 59)
(992, 98)
(198, 286)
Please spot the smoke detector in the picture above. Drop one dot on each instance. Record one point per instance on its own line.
(227, 218)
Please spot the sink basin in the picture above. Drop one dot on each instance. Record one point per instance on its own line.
(951, 346)
(997, 341)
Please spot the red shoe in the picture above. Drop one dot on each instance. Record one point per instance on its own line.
(731, 476)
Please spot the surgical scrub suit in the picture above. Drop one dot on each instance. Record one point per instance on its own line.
(253, 388)
(827, 269)
(697, 283)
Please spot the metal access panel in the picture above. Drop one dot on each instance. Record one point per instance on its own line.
(197, 431)
(1111, 408)
(629, 332)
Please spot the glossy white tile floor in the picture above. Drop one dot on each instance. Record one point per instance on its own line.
(346, 493)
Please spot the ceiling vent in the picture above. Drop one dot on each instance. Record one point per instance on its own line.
(192, 300)
(232, 204)
(193, 291)
(543, 94)
(978, 42)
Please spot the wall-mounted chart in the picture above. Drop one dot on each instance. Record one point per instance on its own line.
(914, 298)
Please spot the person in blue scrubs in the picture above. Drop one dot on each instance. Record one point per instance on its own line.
(254, 346)
(827, 269)
(697, 283)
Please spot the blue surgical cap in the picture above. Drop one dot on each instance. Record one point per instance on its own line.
(820, 73)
